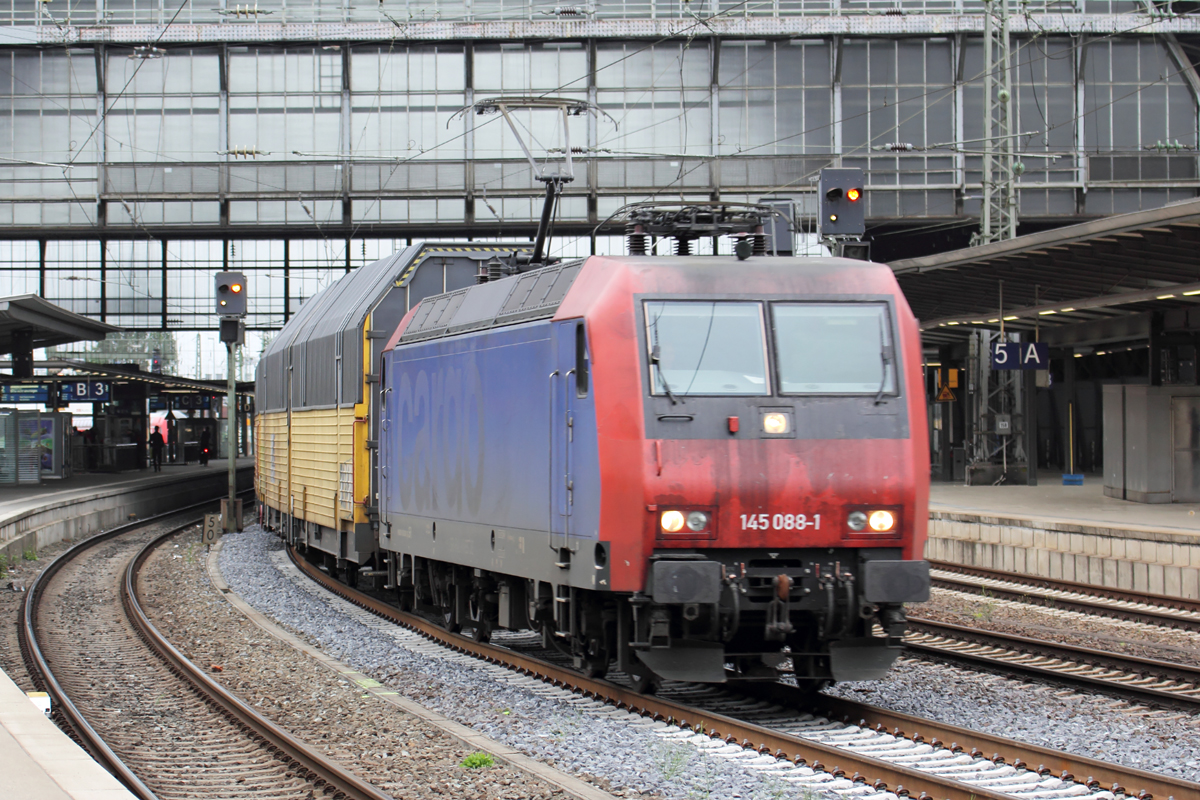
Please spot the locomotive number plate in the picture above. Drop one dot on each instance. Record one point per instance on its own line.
(780, 522)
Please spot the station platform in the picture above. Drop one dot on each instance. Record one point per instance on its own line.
(1073, 533)
(41, 762)
(35, 516)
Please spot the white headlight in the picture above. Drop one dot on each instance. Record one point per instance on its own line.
(882, 521)
(672, 521)
(775, 423)
(697, 521)
(857, 520)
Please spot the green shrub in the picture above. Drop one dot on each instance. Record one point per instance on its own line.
(30, 555)
(477, 760)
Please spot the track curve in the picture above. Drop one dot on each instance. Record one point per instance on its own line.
(148, 714)
(868, 748)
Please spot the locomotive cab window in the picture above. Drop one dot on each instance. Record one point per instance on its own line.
(582, 375)
(706, 348)
(834, 348)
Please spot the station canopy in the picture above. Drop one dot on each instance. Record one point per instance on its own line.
(1102, 280)
(28, 315)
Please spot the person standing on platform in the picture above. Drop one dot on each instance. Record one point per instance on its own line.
(205, 441)
(156, 449)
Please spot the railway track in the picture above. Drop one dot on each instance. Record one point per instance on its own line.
(1139, 679)
(845, 747)
(137, 704)
(1162, 610)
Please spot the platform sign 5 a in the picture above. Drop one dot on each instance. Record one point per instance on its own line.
(84, 392)
(1020, 355)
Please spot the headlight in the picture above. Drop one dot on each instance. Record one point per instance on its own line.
(882, 521)
(697, 521)
(672, 521)
(857, 520)
(775, 423)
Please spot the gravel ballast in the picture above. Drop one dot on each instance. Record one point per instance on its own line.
(622, 755)
(626, 757)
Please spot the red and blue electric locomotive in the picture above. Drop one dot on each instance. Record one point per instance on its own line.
(691, 468)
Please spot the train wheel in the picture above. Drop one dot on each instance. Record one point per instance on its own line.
(450, 620)
(406, 599)
(642, 679)
(595, 659)
(482, 632)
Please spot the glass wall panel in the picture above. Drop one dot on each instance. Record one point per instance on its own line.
(1135, 97)
(19, 265)
(74, 280)
(896, 91)
(549, 70)
(286, 102)
(1044, 84)
(152, 212)
(775, 98)
(48, 105)
(368, 251)
(530, 69)
(659, 96)
(190, 269)
(163, 108)
(133, 283)
(429, 210)
(403, 99)
(313, 265)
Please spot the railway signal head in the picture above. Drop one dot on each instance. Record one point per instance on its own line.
(842, 207)
(231, 294)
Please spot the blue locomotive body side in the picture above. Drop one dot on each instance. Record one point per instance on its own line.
(474, 429)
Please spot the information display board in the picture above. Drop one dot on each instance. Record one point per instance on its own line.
(25, 393)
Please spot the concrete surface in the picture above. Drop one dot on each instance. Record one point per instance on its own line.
(32, 517)
(1072, 533)
(41, 762)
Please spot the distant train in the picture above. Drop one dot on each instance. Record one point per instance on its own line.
(688, 468)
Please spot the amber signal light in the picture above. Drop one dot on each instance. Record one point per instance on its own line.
(853, 194)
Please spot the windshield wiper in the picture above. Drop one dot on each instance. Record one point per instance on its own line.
(654, 359)
(889, 355)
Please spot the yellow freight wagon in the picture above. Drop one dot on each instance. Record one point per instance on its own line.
(316, 405)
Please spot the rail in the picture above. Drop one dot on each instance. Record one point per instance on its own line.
(765, 740)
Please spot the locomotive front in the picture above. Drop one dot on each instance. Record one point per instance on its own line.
(697, 467)
(779, 450)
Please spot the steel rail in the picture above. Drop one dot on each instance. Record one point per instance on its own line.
(1140, 782)
(39, 668)
(40, 671)
(341, 781)
(1080, 656)
(1003, 749)
(801, 751)
(1155, 609)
